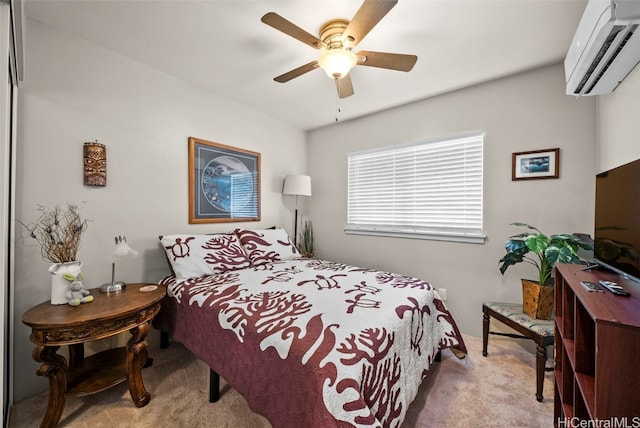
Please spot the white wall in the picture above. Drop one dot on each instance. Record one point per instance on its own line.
(75, 92)
(618, 124)
(525, 112)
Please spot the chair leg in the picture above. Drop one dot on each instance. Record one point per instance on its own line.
(541, 359)
(485, 333)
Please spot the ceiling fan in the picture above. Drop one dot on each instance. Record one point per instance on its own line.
(336, 40)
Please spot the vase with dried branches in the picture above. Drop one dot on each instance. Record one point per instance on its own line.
(58, 231)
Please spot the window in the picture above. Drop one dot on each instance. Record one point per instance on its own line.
(431, 189)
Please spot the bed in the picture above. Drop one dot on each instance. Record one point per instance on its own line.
(307, 342)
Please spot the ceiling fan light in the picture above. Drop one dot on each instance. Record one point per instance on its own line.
(337, 62)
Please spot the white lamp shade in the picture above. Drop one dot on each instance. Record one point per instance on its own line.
(299, 185)
(123, 249)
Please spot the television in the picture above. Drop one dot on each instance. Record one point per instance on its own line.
(616, 241)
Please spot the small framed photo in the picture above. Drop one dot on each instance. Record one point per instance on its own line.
(224, 183)
(535, 164)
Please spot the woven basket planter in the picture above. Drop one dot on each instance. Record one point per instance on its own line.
(537, 300)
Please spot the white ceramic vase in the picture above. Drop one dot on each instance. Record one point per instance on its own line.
(59, 284)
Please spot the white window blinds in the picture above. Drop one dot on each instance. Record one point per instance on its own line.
(431, 189)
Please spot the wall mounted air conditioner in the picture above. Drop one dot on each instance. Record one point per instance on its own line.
(605, 48)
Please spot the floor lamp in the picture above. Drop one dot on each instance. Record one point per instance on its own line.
(297, 185)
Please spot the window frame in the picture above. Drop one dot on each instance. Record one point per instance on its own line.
(388, 230)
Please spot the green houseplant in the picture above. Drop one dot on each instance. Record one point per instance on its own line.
(542, 252)
(305, 240)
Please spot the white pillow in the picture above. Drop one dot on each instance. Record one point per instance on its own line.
(193, 256)
(267, 245)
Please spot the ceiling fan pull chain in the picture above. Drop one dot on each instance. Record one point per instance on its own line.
(337, 99)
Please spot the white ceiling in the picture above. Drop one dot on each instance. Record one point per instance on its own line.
(223, 47)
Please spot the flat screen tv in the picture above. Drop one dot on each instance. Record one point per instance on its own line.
(617, 220)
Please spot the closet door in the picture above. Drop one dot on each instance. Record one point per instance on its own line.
(8, 97)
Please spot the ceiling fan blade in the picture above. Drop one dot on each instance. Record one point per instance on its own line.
(392, 61)
(369, 14)
(297, 72)
(289, 28)
(344, 86)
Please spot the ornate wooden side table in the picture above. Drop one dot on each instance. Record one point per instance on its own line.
(109, 314)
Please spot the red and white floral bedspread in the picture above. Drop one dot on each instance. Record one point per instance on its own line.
(311, 343)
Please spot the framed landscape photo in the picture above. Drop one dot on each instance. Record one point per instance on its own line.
(535, 164)
(224, 183)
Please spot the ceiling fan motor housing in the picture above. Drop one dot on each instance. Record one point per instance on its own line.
(331, 34)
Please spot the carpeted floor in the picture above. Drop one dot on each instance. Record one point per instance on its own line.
(496, 391)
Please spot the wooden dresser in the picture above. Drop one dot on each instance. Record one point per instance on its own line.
(597, 350)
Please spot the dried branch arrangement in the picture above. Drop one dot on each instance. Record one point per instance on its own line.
(58, 232)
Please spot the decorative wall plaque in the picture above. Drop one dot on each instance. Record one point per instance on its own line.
(95, 164)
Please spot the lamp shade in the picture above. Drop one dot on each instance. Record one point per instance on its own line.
(123, 249)
(299, 185)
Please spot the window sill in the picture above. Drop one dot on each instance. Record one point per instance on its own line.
(444, 236)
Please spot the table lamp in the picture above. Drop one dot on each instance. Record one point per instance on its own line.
(122, 250)
(297, 185)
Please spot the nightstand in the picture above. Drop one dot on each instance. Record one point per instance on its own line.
(109, 314)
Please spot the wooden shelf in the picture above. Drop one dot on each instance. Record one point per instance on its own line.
(97, 372)
(597, 343)
(586, 385)
(569, 349)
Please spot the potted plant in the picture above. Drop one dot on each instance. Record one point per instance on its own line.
(543, 252)
(58, 232)
(305, 241)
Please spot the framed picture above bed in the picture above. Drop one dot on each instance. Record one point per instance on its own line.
(224, 183)
(535, 164)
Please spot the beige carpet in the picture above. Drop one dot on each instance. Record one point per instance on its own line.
(496, 391)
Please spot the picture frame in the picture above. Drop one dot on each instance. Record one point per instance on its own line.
(535, 164)
(224, 183)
